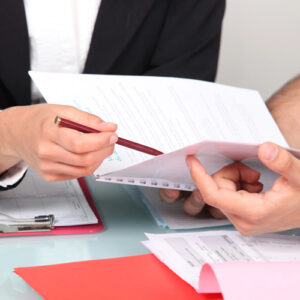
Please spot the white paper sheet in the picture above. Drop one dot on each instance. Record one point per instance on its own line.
(34, 197)
(164, 113)
(172, 215)
(185, 253)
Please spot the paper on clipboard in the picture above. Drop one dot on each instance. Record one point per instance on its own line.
(69, 202)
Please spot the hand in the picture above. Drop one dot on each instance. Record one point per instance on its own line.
(193, 203)
(28, 133)
(234, 190)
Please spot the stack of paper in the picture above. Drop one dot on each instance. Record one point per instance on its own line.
(172, 216)
(225, 261)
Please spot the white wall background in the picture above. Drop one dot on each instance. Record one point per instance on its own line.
(260, 44)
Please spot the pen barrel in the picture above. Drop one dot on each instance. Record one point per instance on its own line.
(138, 147)
(72, 125)
(122, 142)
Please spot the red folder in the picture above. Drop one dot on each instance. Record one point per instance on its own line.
(141, 277)
(77, 229)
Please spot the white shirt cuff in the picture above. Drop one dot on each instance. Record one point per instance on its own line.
(14, 174)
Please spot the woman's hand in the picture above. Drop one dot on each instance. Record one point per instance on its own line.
(28, 133)
(234, 190)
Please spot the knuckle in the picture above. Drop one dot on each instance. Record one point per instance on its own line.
(89, 171)
(68, 108)
(88, 160)
(48, 177)
(44, 124)
(102, 143)
(165, 197)
(245, 229)
(257, 217)
(284, 162)
(42, 151)
(77, 145)
(210, 199)
(43, 166)
(96, 120)
(93, 118)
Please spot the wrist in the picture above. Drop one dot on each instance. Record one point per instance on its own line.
(285, 110)
(8, 155)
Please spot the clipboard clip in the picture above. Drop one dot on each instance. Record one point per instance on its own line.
(38, 223)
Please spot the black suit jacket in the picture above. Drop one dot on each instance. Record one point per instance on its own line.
(135, 37)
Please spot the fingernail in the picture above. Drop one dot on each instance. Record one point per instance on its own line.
(197, 198)
(113, 139)
(270, 153)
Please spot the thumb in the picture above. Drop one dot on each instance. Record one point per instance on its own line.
(280, 161)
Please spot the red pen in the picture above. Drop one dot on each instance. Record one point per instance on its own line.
(123, 142)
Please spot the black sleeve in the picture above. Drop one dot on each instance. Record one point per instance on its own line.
(189, 43)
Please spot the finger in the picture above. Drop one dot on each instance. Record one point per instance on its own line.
(56, 153)
(216, 213)
(224, 177)
(169, 196)
(57, 177)
(193, 204)
(48, 168)
(256, 187)
(85, 118)
(238, 176)
(280, 161)
(235, 202)
(77, 142)
(92, 158)
(54, 167)
(237, 172)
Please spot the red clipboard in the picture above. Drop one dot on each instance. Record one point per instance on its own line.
(77, 229)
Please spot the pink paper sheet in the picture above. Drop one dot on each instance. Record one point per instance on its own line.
(251, 280)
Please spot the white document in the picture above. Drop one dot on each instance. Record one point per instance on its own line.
(34, 197)
(167, 114)
(185, 253)
(172, 215)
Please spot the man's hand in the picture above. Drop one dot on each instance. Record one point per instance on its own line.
(28, 133)
(234, 190)
(193, 203)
